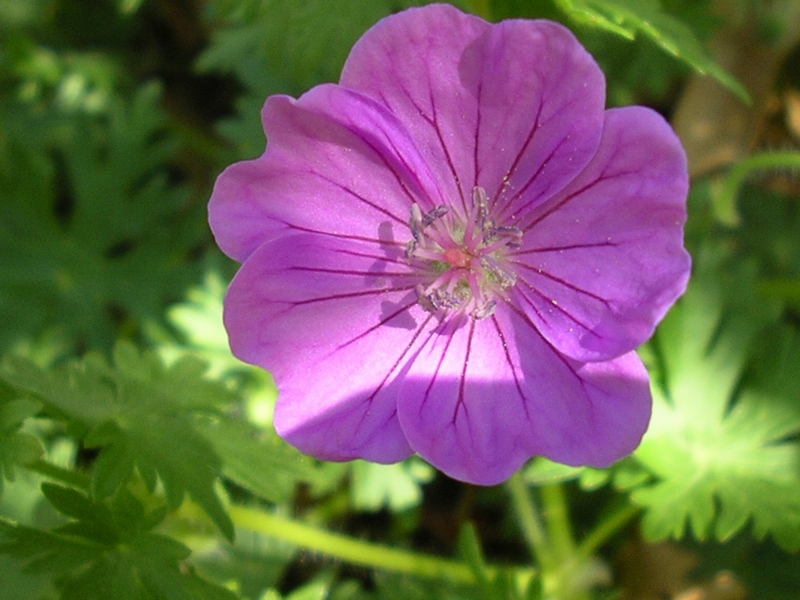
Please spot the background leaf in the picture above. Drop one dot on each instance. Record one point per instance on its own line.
(107, 552)
(138, 415)
(718, 438)
(629, 18)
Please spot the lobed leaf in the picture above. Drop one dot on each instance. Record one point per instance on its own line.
(93, 230)
(16, 447)
(107, 551)
(139, 414)
(722, 444)
(396, 486)
(261, 463)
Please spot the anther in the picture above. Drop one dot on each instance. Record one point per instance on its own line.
(411, 247)
(415, 222)
(511, 235)
(482, 312)
(434, 214)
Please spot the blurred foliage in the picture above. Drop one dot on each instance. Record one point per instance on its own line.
(629, 18)
(128, 430)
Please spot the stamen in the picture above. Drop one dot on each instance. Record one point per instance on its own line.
(415, 223)
(482, 312)
(423, 299)
(503, 276)
(480, 200)
(512, 236)
(411, 247)
(434, 214)
(459, 268)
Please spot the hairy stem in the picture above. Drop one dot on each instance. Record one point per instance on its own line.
(531, 524)
(558, 525)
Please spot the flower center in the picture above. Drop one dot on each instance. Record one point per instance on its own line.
(462, 260)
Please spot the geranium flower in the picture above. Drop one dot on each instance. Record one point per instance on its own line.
(456, 250)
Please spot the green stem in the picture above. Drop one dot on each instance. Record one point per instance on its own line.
(357, 551)
(532, 528)
(725, 201)
(568, 565)
(606, 530)
(557, 519)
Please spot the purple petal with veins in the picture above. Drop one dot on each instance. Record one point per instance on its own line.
(456, 250)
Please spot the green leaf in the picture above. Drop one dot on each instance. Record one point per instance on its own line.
(93, 231)
(107, 552)
(199, 321)
(396, 486)
(16, 448)
(542, 471)
(722, 442)
(68, 501)
(138, 413)
(282, 46)
(628, 18)
(303, 43)
(259, 462)
(255, 561)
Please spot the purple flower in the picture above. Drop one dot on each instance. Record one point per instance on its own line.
(456, 250)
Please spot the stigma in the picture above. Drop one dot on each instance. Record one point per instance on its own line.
(462, 260)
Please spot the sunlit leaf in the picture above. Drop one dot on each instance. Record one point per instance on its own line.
(138, 413)
(395, 486)
(202, 333)
(16, 447)
(722, 445)
(259, 462)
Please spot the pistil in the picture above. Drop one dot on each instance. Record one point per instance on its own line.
(466, 260)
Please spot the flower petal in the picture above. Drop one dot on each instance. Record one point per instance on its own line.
(481, 399)
(336, 162)
(515, 107)
(335, 321)
(604, 260)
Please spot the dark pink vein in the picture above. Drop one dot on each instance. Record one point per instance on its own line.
(566, 284)
(462, 381)
(397, 362)
(549, 302)
(435, 124)
(353, 272)
(351, 295)
(507, 354)
(387, 164)
(379, 324)
(567, 247)
(558, 354)
(345, 236)
(475, 152)
(601, 177)
(358, 196)
(518, 157)
(510, 201)
(382, 257)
